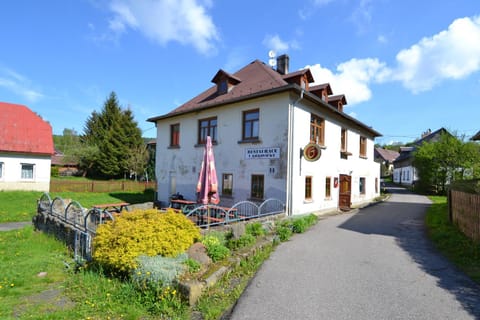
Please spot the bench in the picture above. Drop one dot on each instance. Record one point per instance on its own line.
(109, 208)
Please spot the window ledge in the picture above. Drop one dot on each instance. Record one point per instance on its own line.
(363, 157)
(202, 145)
(305, 201)
(250, 141)
(173, 147)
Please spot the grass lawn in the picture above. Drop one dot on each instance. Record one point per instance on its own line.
(449, 240)
(22, 205)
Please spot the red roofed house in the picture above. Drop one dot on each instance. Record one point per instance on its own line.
(26, 148)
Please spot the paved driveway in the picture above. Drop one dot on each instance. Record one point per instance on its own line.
(375, 264)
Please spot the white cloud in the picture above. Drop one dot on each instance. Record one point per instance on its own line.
(184, 21)
(352, 78)
(20, 85)
(274, 42)
(451, 54)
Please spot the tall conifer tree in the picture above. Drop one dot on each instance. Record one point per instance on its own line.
(116, 135)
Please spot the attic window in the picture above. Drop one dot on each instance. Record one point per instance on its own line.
(222, 87)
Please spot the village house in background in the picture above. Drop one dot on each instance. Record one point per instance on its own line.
(62, 166)
(274, 136)
(26, 148)
(386, 158)
(404, 172)
(476, 137)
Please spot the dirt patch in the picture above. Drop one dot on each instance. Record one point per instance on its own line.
(47, 301)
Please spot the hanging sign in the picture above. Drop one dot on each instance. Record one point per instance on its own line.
(312, 152)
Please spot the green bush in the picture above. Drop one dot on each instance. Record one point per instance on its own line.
(299, 225)
(192, 265)
(244, 241)
(255, 229)
(119, 243)
(284, 233)
(216, 250)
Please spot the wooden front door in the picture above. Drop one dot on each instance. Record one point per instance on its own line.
(344, 198)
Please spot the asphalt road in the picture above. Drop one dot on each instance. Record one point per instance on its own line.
(373, 264)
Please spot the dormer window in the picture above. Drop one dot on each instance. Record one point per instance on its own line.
(225, 82)
(222, 87)
(322, 91)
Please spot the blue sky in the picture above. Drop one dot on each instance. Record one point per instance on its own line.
(404, 66)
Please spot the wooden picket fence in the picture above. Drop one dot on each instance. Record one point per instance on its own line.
(101, 186)
(464, 210)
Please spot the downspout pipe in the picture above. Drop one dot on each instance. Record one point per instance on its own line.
(291, 152)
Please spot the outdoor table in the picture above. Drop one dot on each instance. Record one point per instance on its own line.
(185, 205)
(109, 208)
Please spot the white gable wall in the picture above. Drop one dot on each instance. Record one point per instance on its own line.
(11, 178)
(330, 164)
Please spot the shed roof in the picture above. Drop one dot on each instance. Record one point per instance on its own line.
(23, 131)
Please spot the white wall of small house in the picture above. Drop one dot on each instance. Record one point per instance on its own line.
(11, 178)
(178, 168)
(405, 175)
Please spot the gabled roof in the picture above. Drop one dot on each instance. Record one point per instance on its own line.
(387, 155)
(256, 80)
(337, 98)
(324, 86)
(476, 136)
(406, 152)
(23, 131)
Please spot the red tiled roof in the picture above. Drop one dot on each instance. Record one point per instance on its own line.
(24, 131)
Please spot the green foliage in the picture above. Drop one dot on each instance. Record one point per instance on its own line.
(216, 250)
(119, 243)
(223, 295)
(244, 241)
(444, 161)
(54, 172)
(286, 227)
(116, 135)
(457, 247)
(284, 233)
(255, 229)
(155, 273)
(192, 265)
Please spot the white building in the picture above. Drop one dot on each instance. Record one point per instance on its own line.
(26, 147)
(274, 136)
(404, 171)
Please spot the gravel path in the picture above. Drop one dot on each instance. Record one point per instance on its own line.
(374, 264)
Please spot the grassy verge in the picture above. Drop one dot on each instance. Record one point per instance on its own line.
(22, 205)
(459, 249)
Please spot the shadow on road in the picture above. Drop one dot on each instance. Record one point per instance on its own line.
(402, 217)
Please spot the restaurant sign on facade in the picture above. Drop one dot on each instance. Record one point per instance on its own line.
(262, 153)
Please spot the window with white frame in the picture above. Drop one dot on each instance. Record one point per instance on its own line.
(27, 171)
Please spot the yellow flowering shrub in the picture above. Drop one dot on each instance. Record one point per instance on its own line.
(119, 243)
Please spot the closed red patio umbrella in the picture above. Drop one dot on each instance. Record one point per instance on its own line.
(207, 185)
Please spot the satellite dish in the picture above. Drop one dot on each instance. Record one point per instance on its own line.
(271, 54)
(272, 62)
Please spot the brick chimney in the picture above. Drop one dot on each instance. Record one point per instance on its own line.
(283, 64)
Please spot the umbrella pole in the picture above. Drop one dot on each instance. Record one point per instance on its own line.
(208, 216)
